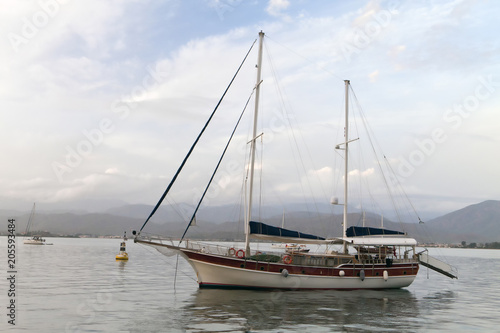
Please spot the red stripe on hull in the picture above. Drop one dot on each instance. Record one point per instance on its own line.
(350, 270)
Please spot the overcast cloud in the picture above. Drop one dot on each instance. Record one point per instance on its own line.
(100, 100)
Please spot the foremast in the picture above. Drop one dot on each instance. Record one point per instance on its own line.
(252, 145)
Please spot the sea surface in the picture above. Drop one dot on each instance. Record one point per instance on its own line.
(76, 285)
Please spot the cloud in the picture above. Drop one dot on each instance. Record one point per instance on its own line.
(276, 7)
(92, 58)
(365, 14)
(396, 50)
(364, 173)
(112, 171)
(373, 76)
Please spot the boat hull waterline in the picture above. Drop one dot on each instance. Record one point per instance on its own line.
(33, 242)
(218, 276)
(220, 271)
(36, 240)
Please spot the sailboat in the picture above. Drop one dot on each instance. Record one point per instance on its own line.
(35, 239)
(366, 257)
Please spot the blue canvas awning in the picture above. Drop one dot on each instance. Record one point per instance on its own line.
(259, 228)
(370, 231)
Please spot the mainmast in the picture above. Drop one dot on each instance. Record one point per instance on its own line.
(346, 171)
(346, 163)
(252, 146)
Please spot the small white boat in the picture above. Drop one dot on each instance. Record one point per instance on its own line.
(291, 248)
(35, 240)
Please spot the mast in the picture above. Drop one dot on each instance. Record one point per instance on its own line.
(252, 146)
(30, 220)
(346, 171)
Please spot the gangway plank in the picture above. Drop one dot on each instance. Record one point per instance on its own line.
(437, 265)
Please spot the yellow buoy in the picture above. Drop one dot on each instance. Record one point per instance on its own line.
(122, 255)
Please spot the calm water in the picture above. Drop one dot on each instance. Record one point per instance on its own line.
(76, 285)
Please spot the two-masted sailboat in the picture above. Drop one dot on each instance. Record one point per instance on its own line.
(366, 257)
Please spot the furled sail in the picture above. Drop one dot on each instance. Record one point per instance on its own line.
(265, 231)
(370, 231)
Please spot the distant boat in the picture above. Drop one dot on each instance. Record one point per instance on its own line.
(35, 239)
(291, 247)
(363, 257)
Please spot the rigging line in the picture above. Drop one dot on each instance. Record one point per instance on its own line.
(338, 160)
(241, 207)
(176, 266)
(396, 209)
(376, 159)
(150, 249)
(362, 165)
(260, 175)
(247, 208)
(196, 141)
(216, 168)
(293, 141)
(175, 206)
(30, 220)
(305, 58)
(284, 112)
(290, 134)
(364, 184)
(244, 181)
(402, 189)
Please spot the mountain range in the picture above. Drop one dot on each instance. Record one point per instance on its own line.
(475, 223)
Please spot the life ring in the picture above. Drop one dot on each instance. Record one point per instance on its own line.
(231, 251)
(287, 259)
(240, 253)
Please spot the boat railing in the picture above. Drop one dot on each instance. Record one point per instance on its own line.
(206, 247)
(384, 261)
(232, 251)
(156, 239)
(314, 259)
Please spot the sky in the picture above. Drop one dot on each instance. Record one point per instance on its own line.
(101, 100)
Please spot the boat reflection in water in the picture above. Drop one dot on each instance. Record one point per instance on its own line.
(222, 310)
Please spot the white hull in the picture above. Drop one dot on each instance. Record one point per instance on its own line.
(213, 275)
(33, 242)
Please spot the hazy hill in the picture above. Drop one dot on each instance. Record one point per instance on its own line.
(475, 223)
(215, 214)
